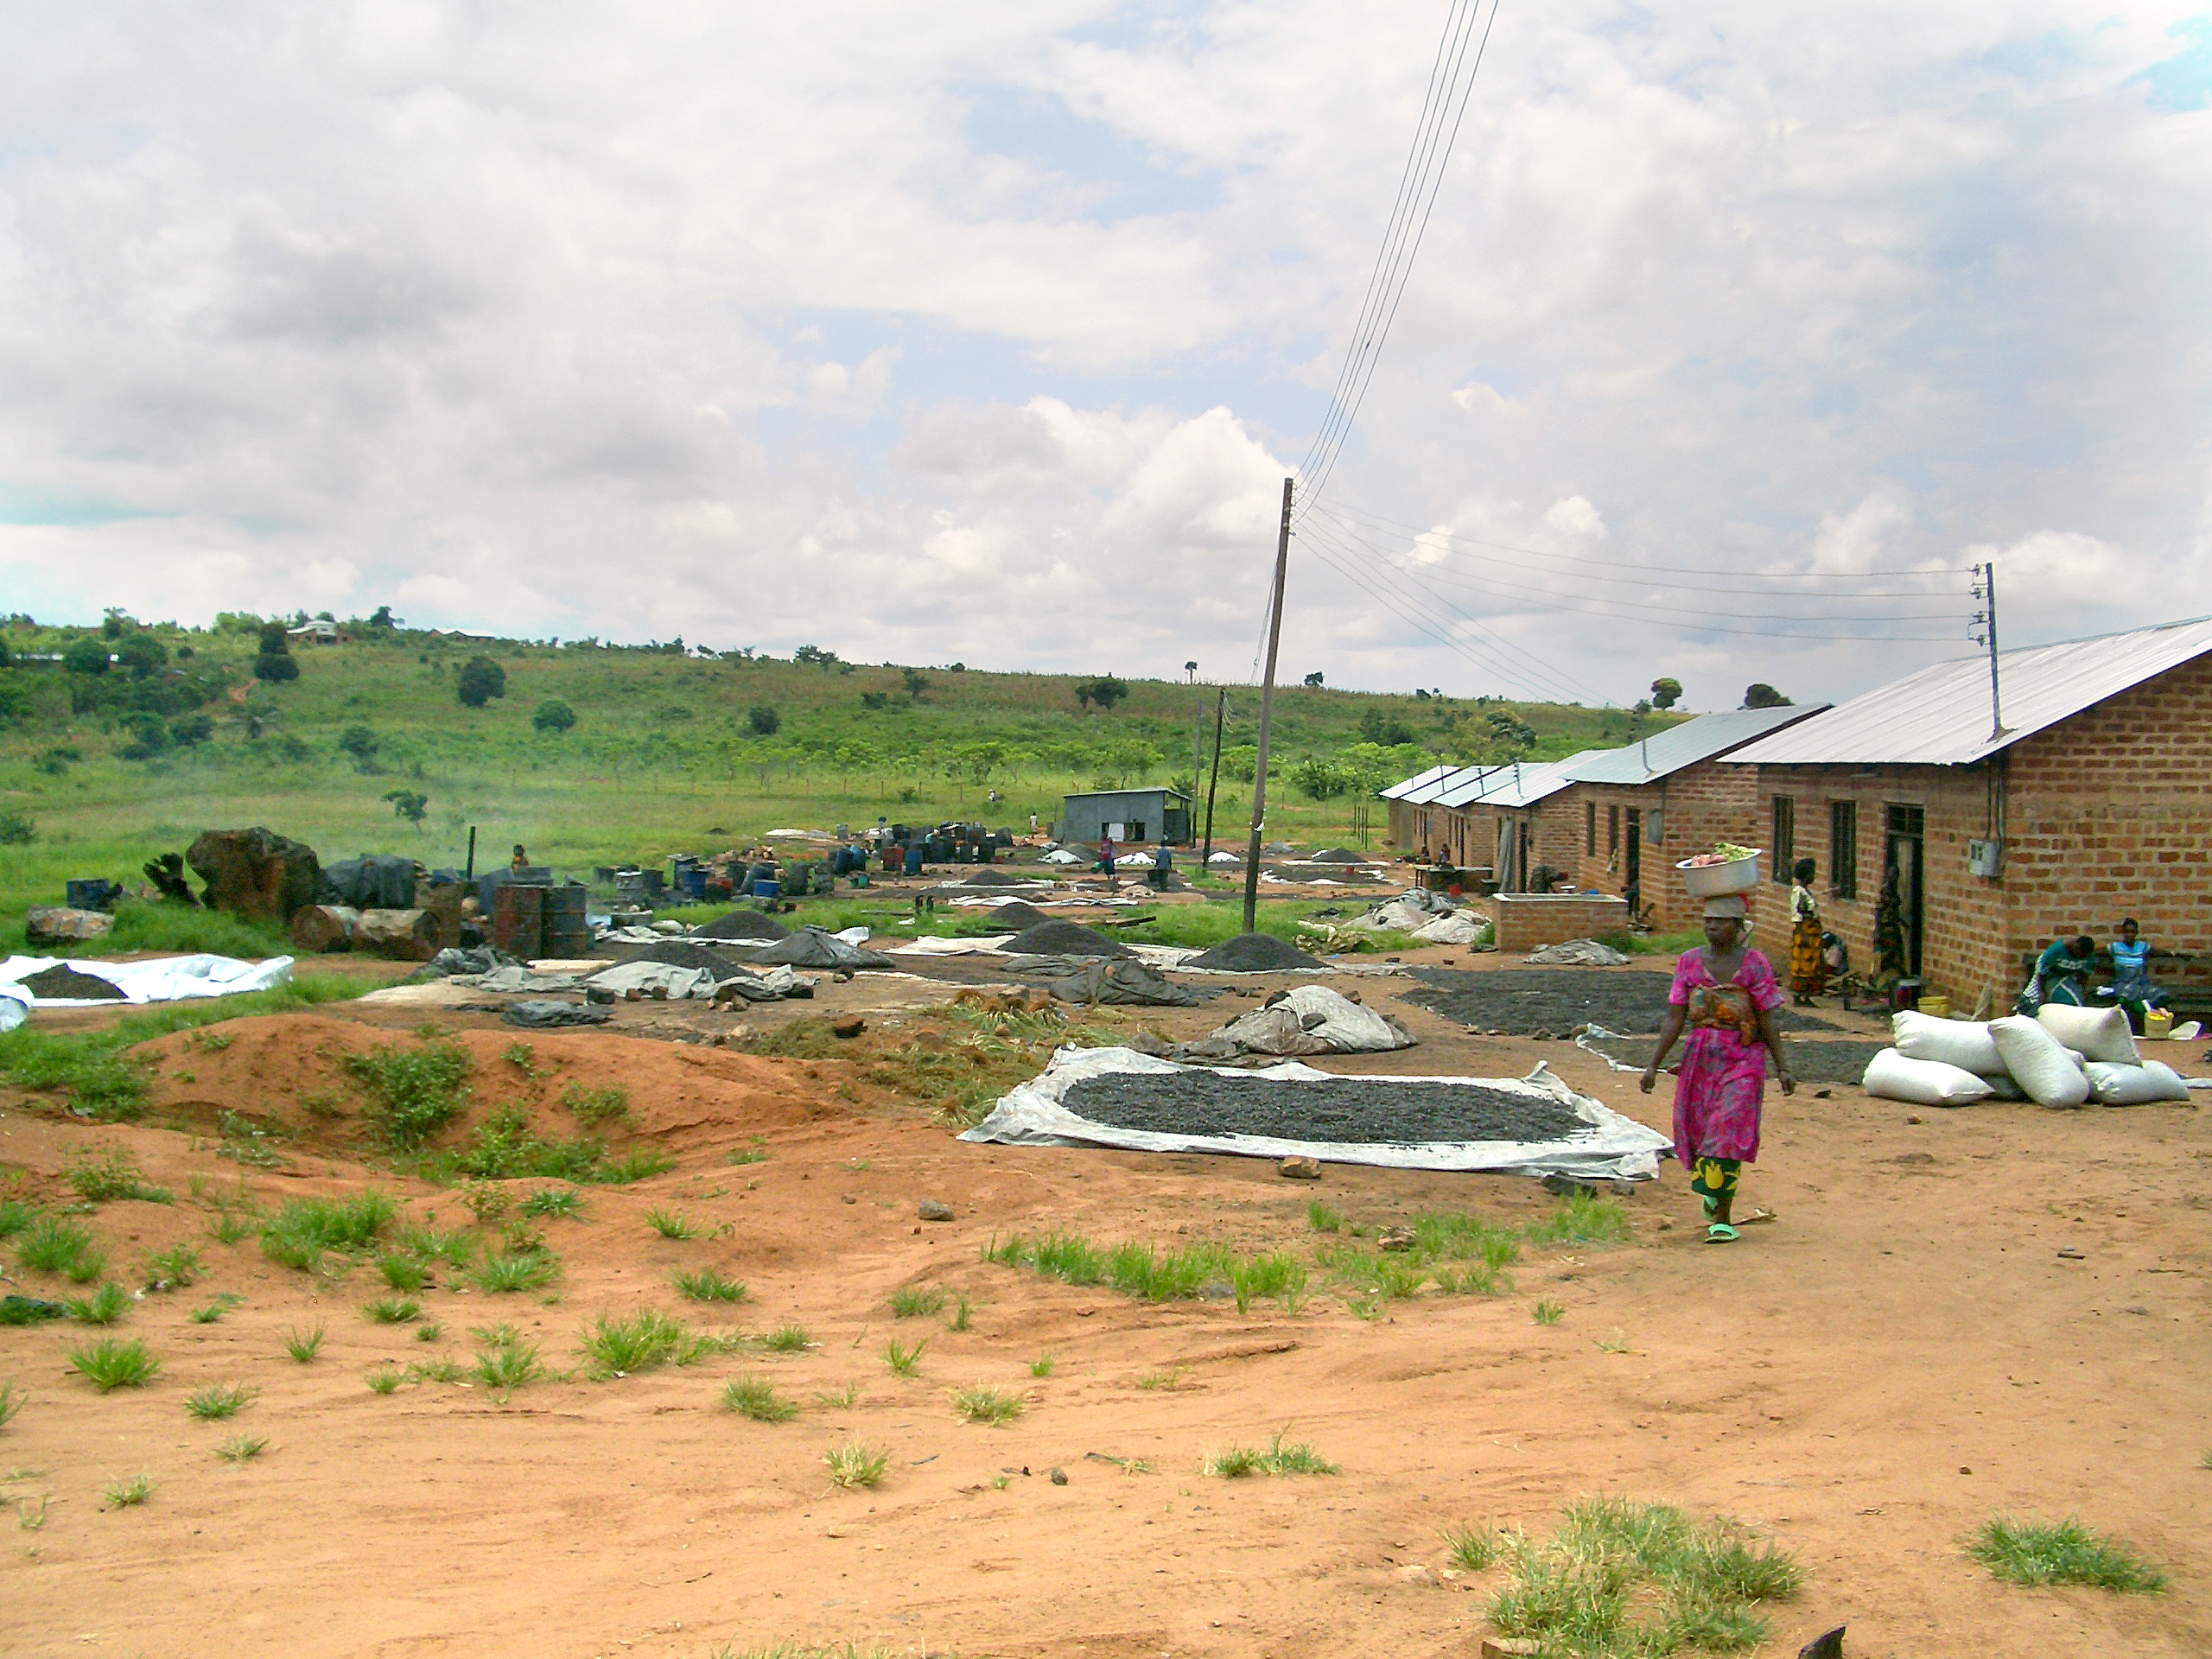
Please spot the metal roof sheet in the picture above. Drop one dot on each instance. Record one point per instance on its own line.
(1516, 783)
(1668, 752)
(1409, 789)
(1940, 716)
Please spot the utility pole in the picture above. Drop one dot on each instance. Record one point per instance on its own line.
(1220, 713)
(1986, 590)
(1198, 748)
(1267, 714)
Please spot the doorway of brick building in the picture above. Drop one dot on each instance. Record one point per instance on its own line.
(1907, 829)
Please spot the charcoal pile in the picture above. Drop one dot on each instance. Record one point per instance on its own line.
(742, 924)
(1254, 953)
(688, 953)
(1016, 917)
(814, 947)
(1337, 855)
(64, 983)
(1100, 979)
(1060, 938)
(1350, 1110)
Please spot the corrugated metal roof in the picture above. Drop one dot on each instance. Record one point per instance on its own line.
(1940, 716)
(1516, 783)
(1408, 788)
(1669, 751)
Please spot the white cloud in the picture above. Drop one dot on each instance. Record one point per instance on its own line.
(1573, 515)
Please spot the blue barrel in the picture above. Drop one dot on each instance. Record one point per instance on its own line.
(913, 859)
(766, 886)
(695, 883)
(97, 892)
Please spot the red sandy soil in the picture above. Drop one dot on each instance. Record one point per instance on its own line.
(1901, 1354)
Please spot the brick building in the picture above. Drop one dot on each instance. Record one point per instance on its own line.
(2091, 803)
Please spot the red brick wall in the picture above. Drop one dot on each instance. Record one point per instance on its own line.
(1697, 806)
(1522, 921)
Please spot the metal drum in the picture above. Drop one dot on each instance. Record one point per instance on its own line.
(518, 919)
(567, 934)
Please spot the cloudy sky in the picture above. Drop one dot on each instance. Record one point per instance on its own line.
(988, 331)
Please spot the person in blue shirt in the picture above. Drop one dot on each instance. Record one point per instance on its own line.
(2131, 975)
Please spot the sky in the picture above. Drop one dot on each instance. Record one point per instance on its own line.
(989, 333)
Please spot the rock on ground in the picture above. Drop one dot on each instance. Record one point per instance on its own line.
(256, 874)
(60, 925)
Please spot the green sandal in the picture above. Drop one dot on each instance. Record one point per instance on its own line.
(1721, 1233)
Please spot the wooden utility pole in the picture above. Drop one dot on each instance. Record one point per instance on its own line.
(1220, 713)
(1267, 714)
(1198, 752)
(1989, 616)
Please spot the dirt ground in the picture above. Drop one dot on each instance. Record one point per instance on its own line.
(1901, 1353)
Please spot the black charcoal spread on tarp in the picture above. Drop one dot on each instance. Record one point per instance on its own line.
(64, 983)
(740, 923)
(722, 963)
(549, 1015)
(1557, 1000)
(1823, 1060)
(1058, 938)
(1382, 1110)
(814, 947)
(1254, 953)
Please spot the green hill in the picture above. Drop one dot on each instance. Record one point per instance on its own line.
(669, 751)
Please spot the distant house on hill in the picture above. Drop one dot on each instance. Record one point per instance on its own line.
(2091, 803)
(1128, 815)
(321, 632)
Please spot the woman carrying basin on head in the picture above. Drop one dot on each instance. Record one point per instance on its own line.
(1725, 992)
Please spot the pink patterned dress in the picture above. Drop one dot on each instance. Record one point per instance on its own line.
(1723, 1070)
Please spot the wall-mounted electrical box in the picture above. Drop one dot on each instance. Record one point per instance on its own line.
(1983, 858)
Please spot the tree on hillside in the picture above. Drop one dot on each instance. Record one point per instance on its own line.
(1515, 736)
(1666, 692)
(916, 682)
(1389, 730)
(481, 680)
(273, 662)
(814, 654)
(409, 805)
(1760, 695)
(383, 618)
(1313, 680)
(1105, 691)
(192, 729)
(763, 720)
(553, 716)
(361, 743)
(141, 654)
(86, 656)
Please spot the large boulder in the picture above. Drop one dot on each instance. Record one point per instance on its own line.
(325, 927)
(401, 935)
(62, 924)
(256, 874)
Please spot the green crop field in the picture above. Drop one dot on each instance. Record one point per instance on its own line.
(597, 755)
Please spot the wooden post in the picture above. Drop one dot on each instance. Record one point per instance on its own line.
(1267, 714)
(1220, 713)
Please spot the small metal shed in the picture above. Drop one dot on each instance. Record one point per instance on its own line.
(1129, 814)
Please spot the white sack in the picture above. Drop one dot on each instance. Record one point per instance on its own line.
(2039, 1062)
(2002, 1086)
(1459, 928)
(2133, 1085)
(1963, 1043)
(1061, 856)
(2099, 1034)
(1893, 1076)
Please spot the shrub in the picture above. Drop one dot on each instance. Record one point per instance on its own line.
(16, 830)
(415, 1092)
(553, 716)
(481, 680)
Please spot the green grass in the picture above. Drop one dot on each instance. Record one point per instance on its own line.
(429, 1331)
(982, 1405)
(391, 1310)
(645, 1341)
(608, 1105)
(11, 1401)
(549, 1201)
(176, 1268)
(1581, 1219)
(242, 1448)
(506, 1362)
(1321, 1218)
(515, 1270)
(230, 1225)
(104, 1306)
(1547, 1313)
(402, 1272)
(437, 1370)
(112, 1364)
(304, 1229)
(2064, 1552)
(963, 1313)
(911, 1302)
(217, 1305)
(787, 1339)
(1146, 1271)
(1041, 1366)
(672, 1224)
(218, 1401)
(455, 1246)
(756, 1397)
(1475, 1549)
(303, 1345)
(129, 1494)
(412, 1093)
(15, 1214)
(901, 1359)
(843, 1400)
(1622, 1581)
(384, 1380)
(857, 1463)
(112, 1177)
(1240, 1462)
(707, 1286)
(51, 1244)
(507, 1147)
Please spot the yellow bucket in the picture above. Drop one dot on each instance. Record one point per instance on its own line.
(1936, 1007)
(2158, 1023)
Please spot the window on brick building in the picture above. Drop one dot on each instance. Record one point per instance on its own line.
(1590, 827)
(1784, 849)
(1843, 849)
(1612, 831)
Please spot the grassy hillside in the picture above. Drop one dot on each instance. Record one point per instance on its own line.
(668, 753)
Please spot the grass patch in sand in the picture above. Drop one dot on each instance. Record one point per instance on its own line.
(608, 1105)
(911, 1301)
(221, 1303)
(756, 1397)
(673, 1223)
(402, 1272)
(1241, 1462)
(1146, 1272)
(15, 1214)
(645, 1340)
(391, 1310)
(1579, 1218)
(504, 1362)
(547, 1201)
(112, 1364)
(2064, 1552)
(455, 1246)
(242, 1448)
(1464, 1254)
(1475, 1549)
(1321, 1218)
(11, 1401)
(787, 1340)
(114, 1177)
(52, 1245)
(175, 1269)
(857, 1463)
(982, 1405)
(429, 1332)
(707, 1286)
(218, 1401)
(1618, 1579)
(903, 1360)
(412, 1093)
(300, 1232)
(1547, 1313)
(303, 1345)
(129, 1494)
(515, 1270)
(104, 1306)
(385, 1380)
(844, 1400)
(506, 1147)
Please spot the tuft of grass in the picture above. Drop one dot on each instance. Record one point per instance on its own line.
(1321, 1218)
(15, 1214)
(303, 1345)
(1620, 1578)
(904, 1360)
(453, 1246)
(242, 1448)
(299, 1234)
(436, 1371)
(515, 1270)
(1475, 1548)
(112, 1364)
(756, 1397)
(857, 1463)
(1239, 1462)
(843, 1400)
(429, 1332)
(982, 1405)
(707, 1286)
(564, 1201)
(635, 1165)
(230, 1225)
(593, 1106)
(391, 1310)
(522, 1057)
(506, 1362)
(1547, 1313)
(1276, 1276)
(113, 1177)
(787, 1339)
(176, 1268)
(128, 1494)
(2064, 1552)
(412, 1092)
(384, 1380)
(1041, 1366)
(11, 1401)
(647, 1339)
(963, 1313)
(402, 1272)
(1579, 1218)
(744, 1155)
(104, 1306)
(52, 1245)
(911, 1302)
(219, 1305)
(218, 1401)
(672, 1224)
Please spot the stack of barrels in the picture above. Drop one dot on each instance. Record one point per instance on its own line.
(532, 922)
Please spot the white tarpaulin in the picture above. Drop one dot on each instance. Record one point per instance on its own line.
(165, 979)
(931, 944)
(1611, 1146)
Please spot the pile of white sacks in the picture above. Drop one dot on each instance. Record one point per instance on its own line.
(2063, 1056)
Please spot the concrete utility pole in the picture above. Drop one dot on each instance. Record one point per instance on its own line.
(1220, 713)
(1988, 574)
(1198, 747)
(1267, 714)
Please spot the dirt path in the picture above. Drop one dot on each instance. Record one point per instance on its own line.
(1901, 1354)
